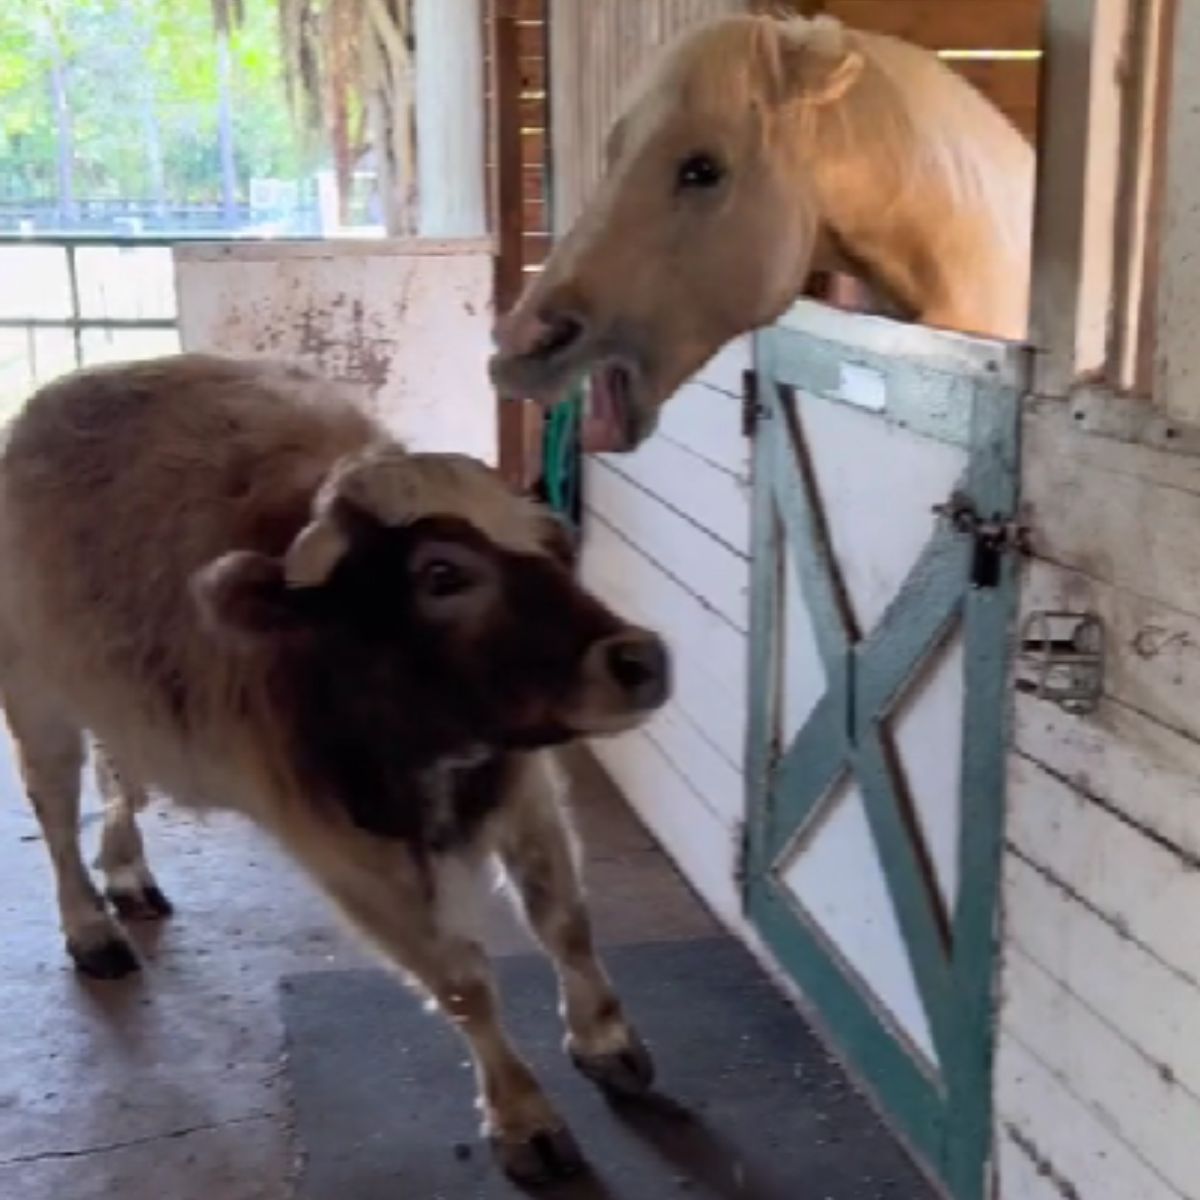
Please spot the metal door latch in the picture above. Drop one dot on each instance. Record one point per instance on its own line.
(1061, 659)
(753, 409)
(992, 538)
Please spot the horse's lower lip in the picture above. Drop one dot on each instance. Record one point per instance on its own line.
(613, 409)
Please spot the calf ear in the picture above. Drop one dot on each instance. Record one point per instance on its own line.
(247, 595)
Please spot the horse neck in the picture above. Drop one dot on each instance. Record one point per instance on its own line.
(948, 255)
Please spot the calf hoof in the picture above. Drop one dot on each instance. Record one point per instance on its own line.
(549, 1155)
(109, 958)
(623, 1074)
(145, 903)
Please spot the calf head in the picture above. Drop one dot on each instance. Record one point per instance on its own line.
(424, 616)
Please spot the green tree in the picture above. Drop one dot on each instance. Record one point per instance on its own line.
(139, 112)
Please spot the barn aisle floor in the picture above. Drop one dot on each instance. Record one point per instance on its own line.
(173, 1085)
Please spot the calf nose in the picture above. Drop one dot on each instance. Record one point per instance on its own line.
(640, 665)
(544, 334)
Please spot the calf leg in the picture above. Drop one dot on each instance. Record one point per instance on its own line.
(399, 914)
(50, 751)
(129, 884)
(538, 851)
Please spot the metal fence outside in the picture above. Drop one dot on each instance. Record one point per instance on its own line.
(68, 301)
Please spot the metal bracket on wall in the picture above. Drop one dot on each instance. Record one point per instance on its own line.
(1061, 659)
(753, 409)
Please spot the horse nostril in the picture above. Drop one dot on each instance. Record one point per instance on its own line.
(561, 332)
(640, 666)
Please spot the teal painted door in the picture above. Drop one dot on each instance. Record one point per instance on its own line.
(880, 634)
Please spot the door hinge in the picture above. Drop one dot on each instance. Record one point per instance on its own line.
(992, 537)
(741, 864)
(1061, 659)
(752, 409)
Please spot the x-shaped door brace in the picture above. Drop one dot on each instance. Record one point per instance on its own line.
(845, 733)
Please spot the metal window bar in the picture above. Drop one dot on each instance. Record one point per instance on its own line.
(75, 321)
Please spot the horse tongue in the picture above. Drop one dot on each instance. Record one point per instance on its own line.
(603, 421)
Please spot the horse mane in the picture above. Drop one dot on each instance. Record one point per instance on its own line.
(923, 127)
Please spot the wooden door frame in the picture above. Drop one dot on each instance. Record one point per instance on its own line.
(520, 422)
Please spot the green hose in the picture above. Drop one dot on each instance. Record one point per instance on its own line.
(560, 455)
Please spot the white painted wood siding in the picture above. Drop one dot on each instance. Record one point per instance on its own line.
(666, 542)
(1098, 1072)
(406, 324)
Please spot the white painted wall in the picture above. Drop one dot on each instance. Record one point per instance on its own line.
(1098, 1072)
(666, 542)
(406, 324)
(1098, 1069)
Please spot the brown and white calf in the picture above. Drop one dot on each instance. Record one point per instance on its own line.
(251, 598)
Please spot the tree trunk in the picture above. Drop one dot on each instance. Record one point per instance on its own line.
(390, 65)
(154, 151)
(65, 142)
(225, 128)
(151, 131)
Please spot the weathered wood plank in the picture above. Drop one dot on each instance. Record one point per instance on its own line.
(1141, 1104)
(1081, 1156)
(713, 499)
(1139, 886)
(724, 370)
(596, 49)
(711, 571)
(938, 24)
(1132, 763)
(1178, 308)
(1096, 507)
(708, 772)
(1021, 1176)
(703, 849)
(708, 423)
(1155, 1010)
(710, 654)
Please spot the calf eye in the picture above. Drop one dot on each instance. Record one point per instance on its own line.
(699, 171)
(440, 578)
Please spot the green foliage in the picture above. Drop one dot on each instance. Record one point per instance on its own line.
(143, 85)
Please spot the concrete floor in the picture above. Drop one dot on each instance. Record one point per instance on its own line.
(171, 1086)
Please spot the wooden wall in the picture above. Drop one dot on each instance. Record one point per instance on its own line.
(667, 543)
(993, 43)
(332, 305)
(596, 47)
(1099, 1060)
(525, 62)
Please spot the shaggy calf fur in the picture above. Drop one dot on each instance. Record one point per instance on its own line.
(252, 598)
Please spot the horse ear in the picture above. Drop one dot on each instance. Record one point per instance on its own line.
(819, 64)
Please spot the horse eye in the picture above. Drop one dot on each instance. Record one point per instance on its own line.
(699, 171)
(442, 579)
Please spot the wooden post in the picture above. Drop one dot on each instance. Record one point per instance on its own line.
(1078, 169)
(521, 422)
(510, 224)
(1178, 316)
(450, 118)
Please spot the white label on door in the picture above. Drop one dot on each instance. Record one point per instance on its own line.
(862, 386)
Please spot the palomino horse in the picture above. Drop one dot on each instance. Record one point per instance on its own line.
(755, 152)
